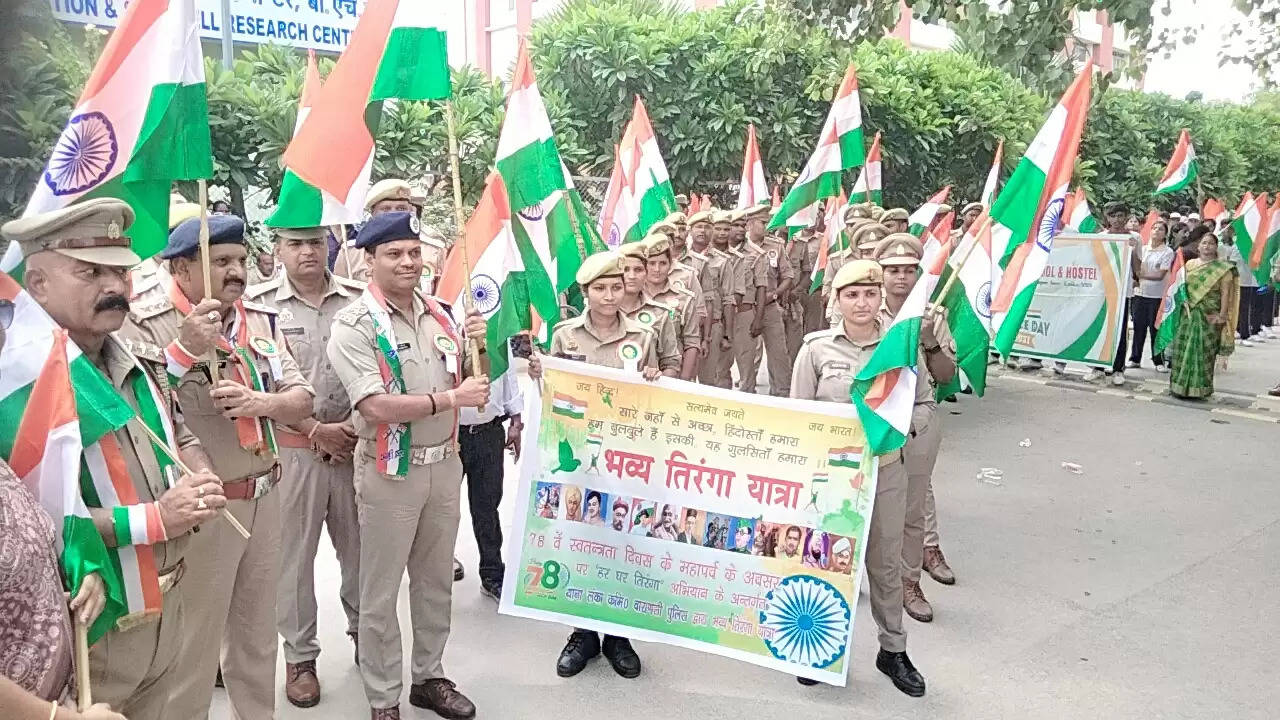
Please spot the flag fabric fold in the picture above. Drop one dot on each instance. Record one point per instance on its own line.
(640, 192)
(993, 177)
(1252, 231)
(1182, 167)
(923, 217)
(142, 122)
(1076, 214)
(753, 189)
(840, 147)
(1172, 299)
(870, 184)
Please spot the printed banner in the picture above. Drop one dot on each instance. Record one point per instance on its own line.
(680, 513)
(1078, 309)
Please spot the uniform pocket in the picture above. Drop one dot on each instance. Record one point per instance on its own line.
(193, 394)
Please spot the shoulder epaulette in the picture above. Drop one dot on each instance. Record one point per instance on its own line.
(818, 334)
(350, 284)
(256, 307)
(256, 291)
(142, 350)
(570, 322)
(351, 314)
(149, 282)
(150, 302)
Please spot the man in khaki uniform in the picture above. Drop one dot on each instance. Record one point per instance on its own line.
(684, 301)
(751, 290)
(716, 342)
(799, 257)
(316, 487)
(255, 383)
(779, 278)
(828, 362)
(409, 495)
(726, 242)
(389, 195)
(899, 255)
(896, 219)
(77, 269)
(602, 335)
(635, 303)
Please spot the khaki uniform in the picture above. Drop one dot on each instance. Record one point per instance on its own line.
(778, 270)
(729, 306)
(798, 256)
(713, 294)
(313, 491)
(812, 301)
(577, 336)
(688, 309)
(664, 322)
(231, 585)
(134, 668)
(921, 454)
(824, 370)
(762, 266)
(353, 263)
(409, 522)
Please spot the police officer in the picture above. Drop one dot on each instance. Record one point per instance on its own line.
(232, 407)
(793, 311)
(389, 195)
(680, 274)
(862, 244)
(724, 241)
(683, 301)
(751, 291)
(401, 360)
(825, 368)
(716, 342)
(636, 304)
(780, 278)
(77, 270)
(316, 486)
(896, 219)
(602, 335)
(899, 256)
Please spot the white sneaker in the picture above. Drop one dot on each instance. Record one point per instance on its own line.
(1094, 375)
(1133, 365)
(1162, 368)
(1117, 378)
(1246, 343)
(1059, 368)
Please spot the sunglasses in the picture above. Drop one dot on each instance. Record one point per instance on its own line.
(6, 314)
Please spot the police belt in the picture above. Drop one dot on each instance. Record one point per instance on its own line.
(169, 579)
(418, 454)
(252, 487)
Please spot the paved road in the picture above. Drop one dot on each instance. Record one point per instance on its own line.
(1143, 587)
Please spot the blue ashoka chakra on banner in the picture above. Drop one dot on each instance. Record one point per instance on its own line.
(810, 621)
(83, 156)
(533, 213)
(1049, 224)
(984, 300)
(485, 292)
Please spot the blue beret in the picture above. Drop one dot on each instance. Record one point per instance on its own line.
(388, 227)
(184, 240)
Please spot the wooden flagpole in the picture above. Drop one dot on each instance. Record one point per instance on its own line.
(83, 691)
(473, 344)
(173, 455)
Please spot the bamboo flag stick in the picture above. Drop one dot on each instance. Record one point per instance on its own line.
(473, 344)
(205, 262)
(173, 455)
(83, 691)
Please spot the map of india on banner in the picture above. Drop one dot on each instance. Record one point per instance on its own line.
(1078, 307)
(679, 513)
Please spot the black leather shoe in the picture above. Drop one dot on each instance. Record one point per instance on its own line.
(458, 572)
(806, 681)
(904, 675)
(583, 645)
(355, 642)
(621, 656)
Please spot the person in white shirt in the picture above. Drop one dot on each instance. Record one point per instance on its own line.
(1248, 287)
(1152, 274)
(481, 440)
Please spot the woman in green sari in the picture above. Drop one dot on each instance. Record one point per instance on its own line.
(1206, 331)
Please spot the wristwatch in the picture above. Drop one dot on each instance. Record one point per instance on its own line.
(934, 349)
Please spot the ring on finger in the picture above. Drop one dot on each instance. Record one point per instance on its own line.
(201, 504)
(213, 316)
(200, 491)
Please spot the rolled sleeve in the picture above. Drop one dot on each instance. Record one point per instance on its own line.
(513, 396)
(925, 405)
(804, 376)
(351, 352)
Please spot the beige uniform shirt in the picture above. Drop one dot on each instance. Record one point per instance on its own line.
(713, 284)
(424, 365)
(687, 310)
(825, 368)
(577, 336)
(779, 268)
(353, 263)
(664, 323)
(306, 328)
(729, 280)
(695, 261)
(117, 362)
(153, 319)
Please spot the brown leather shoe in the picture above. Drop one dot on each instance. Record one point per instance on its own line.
(301, 685)
(914, 602)
(442, 697)
(391, 713)
(935, 563)
(1274, 392)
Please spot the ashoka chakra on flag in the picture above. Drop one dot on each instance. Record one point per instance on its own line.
(810, 621)
(84, 155)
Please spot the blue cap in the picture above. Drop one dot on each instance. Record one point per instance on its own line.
(388, 227)
(184, 240)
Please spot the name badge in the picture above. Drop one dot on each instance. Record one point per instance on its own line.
(403, 346)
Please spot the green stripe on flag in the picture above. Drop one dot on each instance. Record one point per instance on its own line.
(532, 173)
(852, 151)
(415, 66)
(301, 205)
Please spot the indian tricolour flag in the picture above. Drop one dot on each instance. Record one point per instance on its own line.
(498, 274)
(993, 177)
(302, 205)
(844, 457)
(142, 122)
(1172, 299)
(1076, 214)
(923, 217)
(568, 406)
(640, 193)
(1182, 167)
(752, 187)
(968, 304)
(57, 416)
(1217, 212)
(1252, 229)
(833, 230)
(937, 240)
(397, 51)
(870, 184)
(1025, 217)
(840, 147)
(884, 390)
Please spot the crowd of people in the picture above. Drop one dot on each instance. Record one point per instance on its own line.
(321, 385)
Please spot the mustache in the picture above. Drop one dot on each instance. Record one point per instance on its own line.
(113, 302)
